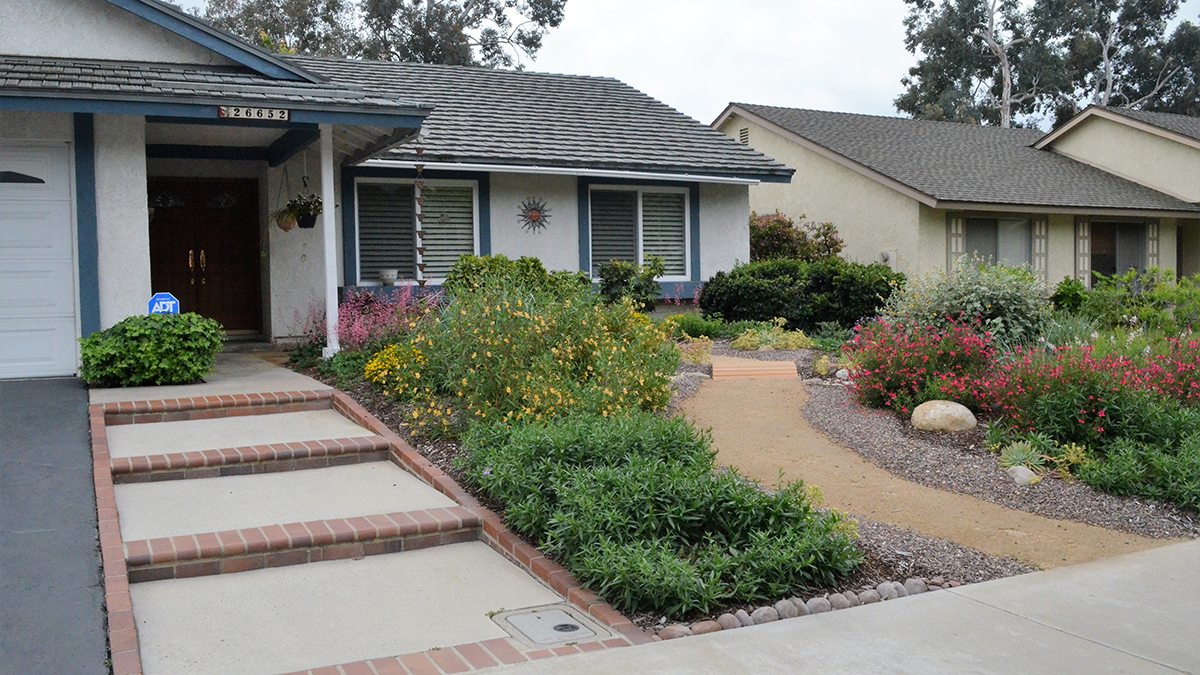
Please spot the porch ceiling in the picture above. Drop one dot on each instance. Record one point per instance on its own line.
(274, 144)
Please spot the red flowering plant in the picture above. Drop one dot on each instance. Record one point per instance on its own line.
(366, 319)
(897, 366)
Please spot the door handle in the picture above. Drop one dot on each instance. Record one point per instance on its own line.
(191, 261)
(203, 265)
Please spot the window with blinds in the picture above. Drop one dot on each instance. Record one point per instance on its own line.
(614, 226)
(449, 227)
(385, 230)
(663, 231)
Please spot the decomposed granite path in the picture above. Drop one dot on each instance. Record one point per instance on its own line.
(758, 427)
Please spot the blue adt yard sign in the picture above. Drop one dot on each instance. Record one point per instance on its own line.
(163, 303)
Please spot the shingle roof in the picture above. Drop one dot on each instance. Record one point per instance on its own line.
(525, 118)
(1184, 125)
(180, 83)
(967, 163)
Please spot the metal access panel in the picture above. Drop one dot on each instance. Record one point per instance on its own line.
(552, 625)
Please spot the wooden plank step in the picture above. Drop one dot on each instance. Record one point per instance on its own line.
(730, 368)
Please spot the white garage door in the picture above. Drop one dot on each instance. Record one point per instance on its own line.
(37, 263)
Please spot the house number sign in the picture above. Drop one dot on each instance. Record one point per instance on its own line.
(238, 112)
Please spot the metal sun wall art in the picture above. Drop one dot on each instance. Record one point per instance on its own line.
(534, 215)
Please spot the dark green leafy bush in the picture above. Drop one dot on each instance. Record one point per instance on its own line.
(1149, 299)
(151, 350)
(774, 235)
(472, 273)
(806, 294)
(620, 279)
(694, 325)
(1069, 295)
(633, 506)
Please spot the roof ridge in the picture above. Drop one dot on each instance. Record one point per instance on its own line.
(897, 118)
(466, 68)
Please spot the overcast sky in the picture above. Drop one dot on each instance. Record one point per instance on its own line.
(698, 55)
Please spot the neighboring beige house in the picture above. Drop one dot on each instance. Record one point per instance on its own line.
(1110, 190)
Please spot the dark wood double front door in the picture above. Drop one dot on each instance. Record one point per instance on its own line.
(204, 248)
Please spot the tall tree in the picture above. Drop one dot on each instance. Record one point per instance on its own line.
(493, 33)
(318, 27)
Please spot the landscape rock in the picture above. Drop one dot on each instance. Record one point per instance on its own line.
(1021, 475)
(743, 617)
(934, 588)
(915, 586)
(674, 631)
(839, 601)
(728, 622)
(953, 584)
(702, 627)
(786, 610)
(937, 581)
(819, 605)
(901, 591)
(764, 615)
(943, 416)
(852, 597)
(887, 591)
(868, 597)
(842, 374)
(801, 608)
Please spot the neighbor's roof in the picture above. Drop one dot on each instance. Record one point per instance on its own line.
(486, 116)
(966, 163)
(1184, 125)
(61, 78)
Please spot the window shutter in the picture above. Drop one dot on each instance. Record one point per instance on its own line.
(1040, 247)
(1152, 243)
(385, 230)
(1083, 252)
(663, 230)
(614, 227)
(956, 242)
(449, 226)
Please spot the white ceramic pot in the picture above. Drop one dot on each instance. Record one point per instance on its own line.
(388, 277)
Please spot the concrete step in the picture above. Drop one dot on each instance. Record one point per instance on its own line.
(184, 436)
(250, 459)
(170, 508)
(298, 543)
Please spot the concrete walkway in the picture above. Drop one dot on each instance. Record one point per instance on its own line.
(1131, 614)
(51, 598)
(234, 374)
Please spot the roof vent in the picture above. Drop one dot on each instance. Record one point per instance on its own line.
(744, 136)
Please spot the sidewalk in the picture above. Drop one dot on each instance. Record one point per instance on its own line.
(1137, 613)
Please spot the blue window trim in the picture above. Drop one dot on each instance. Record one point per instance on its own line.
(350, 208)
(201, 111)
(584, 185)
(217, 41)
(85, 224)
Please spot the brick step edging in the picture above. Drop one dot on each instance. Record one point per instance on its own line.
(254, 548)
(250, 459)
(212, 407)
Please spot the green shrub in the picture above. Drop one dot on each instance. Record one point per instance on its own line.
(1064, 329)
(518, 352)
(620, 279)
(775, 235)
(774, 336)
(632, 506)
(156, 349)
(1169, 473)
(346, 367)
(495, 271)
(1008, 302)
(1148, 299)
(1069, 295)
(803, 293)
(696, 326)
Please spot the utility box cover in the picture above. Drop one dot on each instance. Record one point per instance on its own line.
(550, 627)
(163, 303)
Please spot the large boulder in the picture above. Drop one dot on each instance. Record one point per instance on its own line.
(943, 416)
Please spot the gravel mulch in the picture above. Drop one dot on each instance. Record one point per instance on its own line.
(961, 463)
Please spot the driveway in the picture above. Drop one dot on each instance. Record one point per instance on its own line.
(51, 599)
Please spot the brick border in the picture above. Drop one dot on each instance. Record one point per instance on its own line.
(250, 459)
(122, 631)
(462, 658)
(256, 548)
(495, 533)
(211, 407)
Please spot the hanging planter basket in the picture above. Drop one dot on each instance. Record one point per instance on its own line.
(307, 221)
(301, 210)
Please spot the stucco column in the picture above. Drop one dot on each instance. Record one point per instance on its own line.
(329, 239)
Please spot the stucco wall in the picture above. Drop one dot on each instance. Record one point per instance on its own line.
(296, 259)
(724, 227)
(931, 244)
(1140, 156)
(871, 218)
(558, 244)
(92, 29)
(1168, 232)
(1060, 248)
(122, 219)
(1187, 255)
(17, 125)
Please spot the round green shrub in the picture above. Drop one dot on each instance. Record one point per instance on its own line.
(152, 350)
(805, 293)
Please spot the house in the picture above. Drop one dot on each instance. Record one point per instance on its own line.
(143, 151)
(1111, 190)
